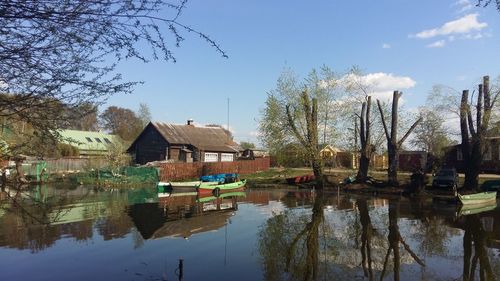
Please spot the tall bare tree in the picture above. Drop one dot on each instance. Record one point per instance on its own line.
(473, 139)
(310, 139)
(393, 145)
(364, 136)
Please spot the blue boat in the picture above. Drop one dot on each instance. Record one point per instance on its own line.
(222, 178)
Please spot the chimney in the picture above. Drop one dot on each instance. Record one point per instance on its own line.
(190, 122)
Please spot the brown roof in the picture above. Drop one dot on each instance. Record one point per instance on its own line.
(204, 138)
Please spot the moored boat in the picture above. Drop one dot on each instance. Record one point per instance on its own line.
(210, 197)
(220, 178)
(478, 198)
(473, 209)
(182, 186)
(218, 188)
(300, 179)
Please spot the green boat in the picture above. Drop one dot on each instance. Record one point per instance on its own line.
(222, 195)
(476, 208)
(218, 188)
(478, 198)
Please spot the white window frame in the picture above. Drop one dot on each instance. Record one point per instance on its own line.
(460, 156)
(226, 157)
(211, 157)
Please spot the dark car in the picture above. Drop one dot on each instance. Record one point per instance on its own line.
(447, 178)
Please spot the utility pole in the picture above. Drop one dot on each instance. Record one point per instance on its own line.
(228, 114)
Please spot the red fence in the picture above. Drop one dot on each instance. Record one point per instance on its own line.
(179, 171)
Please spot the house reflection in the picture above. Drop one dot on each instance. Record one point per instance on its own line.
(184, 214)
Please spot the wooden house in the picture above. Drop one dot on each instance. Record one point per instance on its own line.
(412, 160)
(491, 157)
(182, 143)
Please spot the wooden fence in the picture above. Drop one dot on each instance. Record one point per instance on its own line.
(180, 171)
(65, 165)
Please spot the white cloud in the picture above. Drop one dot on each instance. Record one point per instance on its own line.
(463, 5)
(386, 46)
(382, 85)
(437, 44)
(463, 25)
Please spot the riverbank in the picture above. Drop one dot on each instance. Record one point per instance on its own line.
(334, 181)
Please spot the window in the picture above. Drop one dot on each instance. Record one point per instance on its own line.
(98, 140)
(88, 139)
(460, 157)
(226, 157)
(211, 157)
(106, 140)
(487, 152)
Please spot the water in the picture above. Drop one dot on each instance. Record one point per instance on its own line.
(80, 233)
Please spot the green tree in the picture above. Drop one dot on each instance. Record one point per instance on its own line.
(430, 135)
(122, 122)
(247, 145)
(274, 125)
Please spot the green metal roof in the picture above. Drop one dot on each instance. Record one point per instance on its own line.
(87, 141)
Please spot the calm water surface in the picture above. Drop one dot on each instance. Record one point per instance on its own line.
(82, 233)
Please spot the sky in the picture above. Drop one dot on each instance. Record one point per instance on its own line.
(404, 45)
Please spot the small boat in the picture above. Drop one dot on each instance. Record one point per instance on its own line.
(203, 199)
(218, 178)
(478, 198)
(300, 179)
(181, 186)
(476, 208)
(219, 188)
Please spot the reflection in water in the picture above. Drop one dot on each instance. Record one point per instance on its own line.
(366, 238)
(183, 214)
(300, 235)
(289, 243)
(475, 241)
(394, 239)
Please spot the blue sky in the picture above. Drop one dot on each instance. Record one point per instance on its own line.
(412, 45)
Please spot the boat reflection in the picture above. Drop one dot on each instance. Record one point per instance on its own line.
(183, 214)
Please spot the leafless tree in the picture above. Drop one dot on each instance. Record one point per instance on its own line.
(473, 139)
(66, 51)
(393, 145)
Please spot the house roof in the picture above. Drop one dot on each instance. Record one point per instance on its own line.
(330, 148)
(86, 140)
(204, 138)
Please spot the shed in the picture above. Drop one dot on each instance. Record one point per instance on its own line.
(182, 143)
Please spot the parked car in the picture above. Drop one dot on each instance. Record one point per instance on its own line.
(446, 177)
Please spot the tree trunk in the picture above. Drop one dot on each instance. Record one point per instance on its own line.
(310, 140)
(393, 145)
(473, 138)
(392, 171)
(366, 147)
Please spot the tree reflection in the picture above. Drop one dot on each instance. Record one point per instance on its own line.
(394, 238)
(289, 244)
(36, 218)
(366, 238)
(475, 241)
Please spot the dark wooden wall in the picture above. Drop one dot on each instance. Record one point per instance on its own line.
(150, 146)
